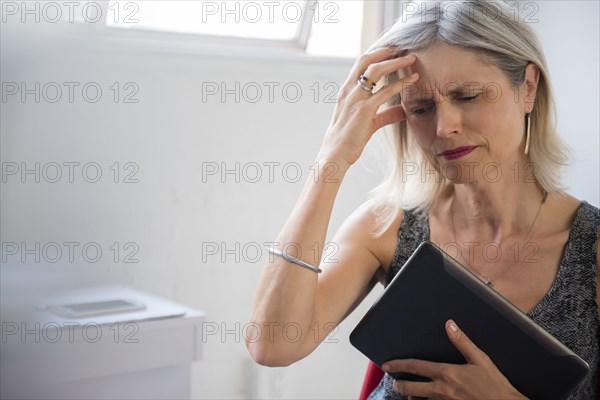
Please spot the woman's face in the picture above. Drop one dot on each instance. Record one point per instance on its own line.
(464, 113)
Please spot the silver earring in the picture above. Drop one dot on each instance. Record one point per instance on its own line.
(527, 132)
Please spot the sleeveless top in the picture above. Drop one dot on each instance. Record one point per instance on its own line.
(568, 311)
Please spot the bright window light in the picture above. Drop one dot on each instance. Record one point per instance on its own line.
(336, 29)
(276, 20)
(324, 28)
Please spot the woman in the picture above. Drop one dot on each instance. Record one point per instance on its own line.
(476, 167)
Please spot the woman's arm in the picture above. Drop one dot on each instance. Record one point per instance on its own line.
(292, 299)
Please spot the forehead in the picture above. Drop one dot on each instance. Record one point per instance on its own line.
(443, 65)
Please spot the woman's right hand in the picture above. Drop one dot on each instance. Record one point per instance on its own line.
(356, 115)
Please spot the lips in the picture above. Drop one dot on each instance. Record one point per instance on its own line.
(457, 152)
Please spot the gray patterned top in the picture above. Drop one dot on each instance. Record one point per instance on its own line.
(568, 311)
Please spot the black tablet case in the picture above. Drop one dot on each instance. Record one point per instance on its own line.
(408, 321)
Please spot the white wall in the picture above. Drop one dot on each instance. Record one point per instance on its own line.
(170, 213)
(569, 31)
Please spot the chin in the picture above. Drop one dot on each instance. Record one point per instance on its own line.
(457, 172)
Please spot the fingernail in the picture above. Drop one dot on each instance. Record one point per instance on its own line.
(385, 368)
(453, 327)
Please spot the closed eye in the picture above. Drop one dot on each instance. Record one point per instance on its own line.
(421, 110)
(468, 98)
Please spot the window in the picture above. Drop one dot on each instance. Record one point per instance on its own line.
(325, 27)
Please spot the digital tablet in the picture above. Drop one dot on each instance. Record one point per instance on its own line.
(408, 321)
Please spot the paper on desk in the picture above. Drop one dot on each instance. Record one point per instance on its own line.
(156, 307)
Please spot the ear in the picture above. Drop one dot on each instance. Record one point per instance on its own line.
(532, 78)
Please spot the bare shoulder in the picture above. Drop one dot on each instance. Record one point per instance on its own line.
(360, 228)
(562, 209)
(564, 206)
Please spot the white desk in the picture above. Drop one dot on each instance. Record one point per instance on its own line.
(136, 355)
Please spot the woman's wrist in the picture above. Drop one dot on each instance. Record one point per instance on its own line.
(328, 171)
(331, 165)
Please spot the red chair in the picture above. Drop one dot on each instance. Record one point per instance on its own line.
(375, 374)
(372, 378)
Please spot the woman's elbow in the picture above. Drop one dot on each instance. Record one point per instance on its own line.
(269, 356)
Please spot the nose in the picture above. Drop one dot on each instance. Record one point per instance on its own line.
(449, 120)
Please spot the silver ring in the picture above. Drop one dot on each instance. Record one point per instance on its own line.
(367, 81)
(364, 86)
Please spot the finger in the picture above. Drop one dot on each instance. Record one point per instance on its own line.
(393, 89)
(427, 369)
(390, 115)
(374, 66)
(376, 71)
(461, 341)
(413, 389)
(364, 60)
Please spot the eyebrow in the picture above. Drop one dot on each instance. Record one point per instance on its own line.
(417, 101)
(453, 92)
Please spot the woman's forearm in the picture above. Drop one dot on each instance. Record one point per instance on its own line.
(284, 304)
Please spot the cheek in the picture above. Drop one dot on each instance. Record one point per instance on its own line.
(482, 120)
(489, 120)
(423, 131)
(499, 121)
(425, 137)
